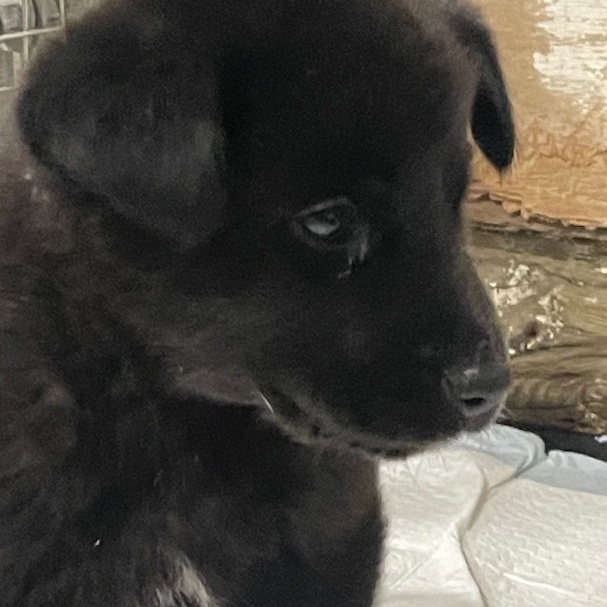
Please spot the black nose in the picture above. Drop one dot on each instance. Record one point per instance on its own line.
(478, 390)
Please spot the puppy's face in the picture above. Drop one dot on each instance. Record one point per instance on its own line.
(334, 291)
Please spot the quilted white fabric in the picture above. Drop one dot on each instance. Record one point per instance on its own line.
(491, 521)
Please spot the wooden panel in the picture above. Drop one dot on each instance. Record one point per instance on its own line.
(550, 290)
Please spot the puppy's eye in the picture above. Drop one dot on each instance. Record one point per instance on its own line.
(331, 223)
(336, 236)
(323, 224)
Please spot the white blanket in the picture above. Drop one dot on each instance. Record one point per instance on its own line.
(492, 521)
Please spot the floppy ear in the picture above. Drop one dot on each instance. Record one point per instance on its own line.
(120, 110)
(492, 125)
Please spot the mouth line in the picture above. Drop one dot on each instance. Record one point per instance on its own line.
(477, 423)
(321, 431)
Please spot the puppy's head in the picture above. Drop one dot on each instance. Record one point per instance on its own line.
(283, 227)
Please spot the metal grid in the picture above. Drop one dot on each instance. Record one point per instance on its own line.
(22, 24)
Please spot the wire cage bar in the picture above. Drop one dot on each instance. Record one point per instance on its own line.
(23, 23)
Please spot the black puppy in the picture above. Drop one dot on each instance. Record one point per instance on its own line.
(265, 287)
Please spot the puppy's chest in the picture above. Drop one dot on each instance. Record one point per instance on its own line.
(183, 587)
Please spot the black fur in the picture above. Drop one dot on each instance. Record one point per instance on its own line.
(193, 388)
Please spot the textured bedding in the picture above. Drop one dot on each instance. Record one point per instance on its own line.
(491, 520)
